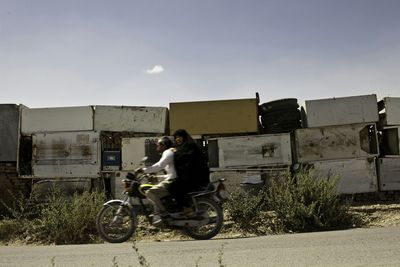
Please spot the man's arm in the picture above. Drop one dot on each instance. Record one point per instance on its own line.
(166, 158)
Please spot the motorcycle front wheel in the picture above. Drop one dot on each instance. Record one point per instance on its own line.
(115, 223)
(211, 210)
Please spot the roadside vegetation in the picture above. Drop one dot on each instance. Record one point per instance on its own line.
(302, 202)
(57, 221)
(298, 203)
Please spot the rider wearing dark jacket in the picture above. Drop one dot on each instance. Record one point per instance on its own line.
(191, 167)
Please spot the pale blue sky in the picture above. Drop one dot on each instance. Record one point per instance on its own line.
(100, 52)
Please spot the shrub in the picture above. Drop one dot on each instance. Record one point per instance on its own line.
(306, 202)
(64, 221)
(245, 208)
(20, 206)
(10, 229)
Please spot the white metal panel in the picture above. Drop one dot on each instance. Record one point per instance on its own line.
(356, 175)
(255, 150)
(133, 150)
(66, 154)
(235, 179)
(389, 174)
(336, 142)
(342, 110)
(392, 110)
(131, 119)
(34, 120)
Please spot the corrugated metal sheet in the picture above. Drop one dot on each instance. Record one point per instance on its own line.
(342, 110)
(131, 119)
(9, 132)
(336, 142)
(59, 119)
(66, 154)
(356, 175)
(252, 151)
(215, 117)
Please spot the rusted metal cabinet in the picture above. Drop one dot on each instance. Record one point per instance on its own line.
(9, 132)
(215, 117)
(66, 155)
(58, 119)
(342, 110)
(356, 175)
(389, 173)
(131, 119)
(336, 142)
(250, 151)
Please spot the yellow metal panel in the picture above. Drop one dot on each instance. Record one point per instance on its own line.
(215, 117)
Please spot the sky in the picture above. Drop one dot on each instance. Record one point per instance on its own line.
(56, 53)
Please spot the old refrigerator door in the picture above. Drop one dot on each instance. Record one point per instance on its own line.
(66, 154)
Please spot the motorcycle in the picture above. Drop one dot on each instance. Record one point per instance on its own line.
(116, 222)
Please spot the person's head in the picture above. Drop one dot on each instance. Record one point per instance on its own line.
(163, 143)
(181, 136)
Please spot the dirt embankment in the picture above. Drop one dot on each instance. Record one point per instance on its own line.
(378, 215)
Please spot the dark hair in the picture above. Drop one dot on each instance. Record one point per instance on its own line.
(187, 139)
(165, 141)
(181, 132)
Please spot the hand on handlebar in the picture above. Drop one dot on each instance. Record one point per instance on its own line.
(139, 170)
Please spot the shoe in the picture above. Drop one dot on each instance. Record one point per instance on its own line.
(158, 218)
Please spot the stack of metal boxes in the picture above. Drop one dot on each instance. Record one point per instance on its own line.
(342, 141)
(389, 161)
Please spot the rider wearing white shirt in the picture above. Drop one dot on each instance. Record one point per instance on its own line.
(154, 194)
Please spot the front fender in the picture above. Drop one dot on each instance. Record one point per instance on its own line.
(115, 201)
(119, 202)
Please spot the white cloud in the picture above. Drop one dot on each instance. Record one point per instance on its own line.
(155, 70)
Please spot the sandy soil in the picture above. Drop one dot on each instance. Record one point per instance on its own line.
(373, 215)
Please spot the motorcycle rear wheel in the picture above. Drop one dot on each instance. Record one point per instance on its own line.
(214, 212)
(114, 226)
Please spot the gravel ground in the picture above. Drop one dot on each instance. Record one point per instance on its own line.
(374, 215)
(379, 215)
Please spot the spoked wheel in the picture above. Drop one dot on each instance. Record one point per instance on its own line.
(115, 223)
(210, 210)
